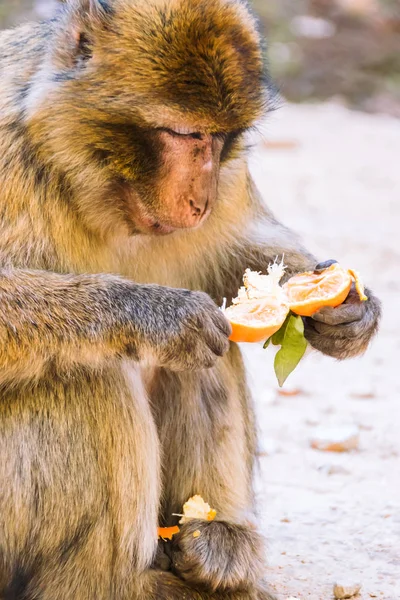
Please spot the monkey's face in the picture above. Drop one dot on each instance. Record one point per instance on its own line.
(184, 193)
(166, 177)
(174, 183)
(157, 95)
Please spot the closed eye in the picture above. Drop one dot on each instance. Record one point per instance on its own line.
(182, 133)
(228, 139)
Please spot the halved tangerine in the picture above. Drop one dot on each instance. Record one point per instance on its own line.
(257, 320)
(262, 304)
(308, 292)
(260, 308)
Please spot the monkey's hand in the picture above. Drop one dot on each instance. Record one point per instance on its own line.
(217, 555)
(344, 331)
(183, 330)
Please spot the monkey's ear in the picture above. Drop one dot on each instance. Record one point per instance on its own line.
(80, 24)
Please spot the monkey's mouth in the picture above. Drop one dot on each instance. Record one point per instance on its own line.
(147, 225)
(159, 229)
(146, 222)
(153, 227)
(159, 220)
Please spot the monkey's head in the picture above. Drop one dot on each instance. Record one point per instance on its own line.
(154, 96)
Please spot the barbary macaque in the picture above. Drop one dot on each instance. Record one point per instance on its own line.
(127, 212)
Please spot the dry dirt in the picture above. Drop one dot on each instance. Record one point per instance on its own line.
(335, 178)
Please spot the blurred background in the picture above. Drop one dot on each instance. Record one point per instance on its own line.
(327, 164)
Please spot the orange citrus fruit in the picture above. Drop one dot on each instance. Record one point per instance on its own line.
(308, 292)
(260, 308)
(262, 304)
(257, 320)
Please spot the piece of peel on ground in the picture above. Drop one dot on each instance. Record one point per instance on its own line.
(261, 306)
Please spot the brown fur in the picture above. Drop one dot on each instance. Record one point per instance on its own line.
(106, 426)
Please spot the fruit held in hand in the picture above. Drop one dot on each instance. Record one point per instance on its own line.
(266, 311)
(260, 308)
(263, 304)
(308, 292)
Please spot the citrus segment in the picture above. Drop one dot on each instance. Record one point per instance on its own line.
(308, 292)
(255, 321)
(261, 306)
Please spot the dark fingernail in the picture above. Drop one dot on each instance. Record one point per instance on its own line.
(324, 265)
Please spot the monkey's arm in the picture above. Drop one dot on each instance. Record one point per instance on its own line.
(46, 316)
(86, 319)
(340, 332)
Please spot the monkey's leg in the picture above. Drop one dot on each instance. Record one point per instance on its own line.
(79, 487)
(206, 428)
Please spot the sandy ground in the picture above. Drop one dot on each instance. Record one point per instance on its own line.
(334, 517)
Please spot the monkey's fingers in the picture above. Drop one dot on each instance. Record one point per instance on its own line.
(348, 331)
(222, 323)
(350, 311)
(216, 341)
(344, 314)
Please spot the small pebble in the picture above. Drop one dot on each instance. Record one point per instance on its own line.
(346, 591)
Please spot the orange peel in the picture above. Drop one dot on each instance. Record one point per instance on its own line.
(167, 533)
(308, 292)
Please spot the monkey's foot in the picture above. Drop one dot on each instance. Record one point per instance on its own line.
(166, 586)
(218, 556)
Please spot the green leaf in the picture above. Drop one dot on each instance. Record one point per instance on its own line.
(278, 337)
(293, 346)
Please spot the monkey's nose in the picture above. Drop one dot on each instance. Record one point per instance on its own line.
(198, 208)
